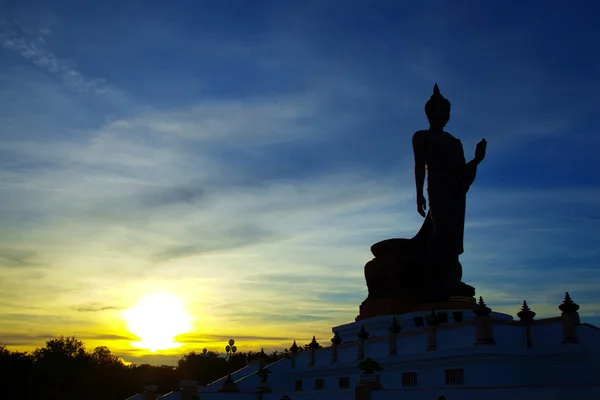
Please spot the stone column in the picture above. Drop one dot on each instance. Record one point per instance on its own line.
(432, 322)
(394, 329)
(262, 387)
(526, 316)
(312, 348)
(366, 384)
(484, 331)
(362, 336)
(262, 358)
(294, 351)
(335, 342)
(189, 390)
(150, 392)
(570, 318)
(228, 385)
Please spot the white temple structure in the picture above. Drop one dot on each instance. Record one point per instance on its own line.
(453, 354)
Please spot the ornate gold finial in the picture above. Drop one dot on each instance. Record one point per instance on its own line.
(568, 305)
(481, 303)
(482, 310)
(525, 314)
(314, 344)
(362, 334)
(294, 348)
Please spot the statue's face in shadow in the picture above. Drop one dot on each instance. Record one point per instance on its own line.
(438, 118)
(437, 109)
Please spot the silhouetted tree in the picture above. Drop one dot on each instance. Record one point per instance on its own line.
(63, 369)
(15, 373)
(60, 368)
(204, 368)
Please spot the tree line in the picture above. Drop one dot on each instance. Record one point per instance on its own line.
(64, 369)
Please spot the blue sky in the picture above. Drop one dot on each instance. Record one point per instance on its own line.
(245, 155)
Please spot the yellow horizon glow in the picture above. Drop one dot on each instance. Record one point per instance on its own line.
(157, 319)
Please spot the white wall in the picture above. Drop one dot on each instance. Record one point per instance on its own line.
(509, 363)
(313, 395)
(548, 393)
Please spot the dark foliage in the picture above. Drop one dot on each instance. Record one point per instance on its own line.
(64, 369)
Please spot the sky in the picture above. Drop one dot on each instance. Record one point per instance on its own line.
(244, 156)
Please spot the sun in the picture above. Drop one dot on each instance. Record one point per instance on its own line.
(156, 319)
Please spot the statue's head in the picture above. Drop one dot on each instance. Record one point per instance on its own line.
(437, 108)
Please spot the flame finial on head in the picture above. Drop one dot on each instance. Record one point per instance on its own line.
(436, 104)
(437, 95)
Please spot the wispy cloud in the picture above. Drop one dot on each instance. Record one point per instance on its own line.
(98, 308)
(33, 48)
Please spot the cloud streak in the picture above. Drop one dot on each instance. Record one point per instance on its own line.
(98, 308)
(15, 38)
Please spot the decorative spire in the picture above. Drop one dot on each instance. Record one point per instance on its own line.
(228, 385)
(394, 326)
(481, 303)
(336, 339)
(436, 89)
(262, 358)
(482, 310)
(363, 334)
(314, 344)
(433, 319)
(525, 314)
(568, 305)
(294, 348)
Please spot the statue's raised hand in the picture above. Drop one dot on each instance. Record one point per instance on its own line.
(480, 151)
(421, 205)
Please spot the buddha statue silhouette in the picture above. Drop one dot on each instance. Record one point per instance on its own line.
(449, 177)
(426, 268)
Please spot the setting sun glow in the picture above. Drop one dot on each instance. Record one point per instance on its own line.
(156, 319)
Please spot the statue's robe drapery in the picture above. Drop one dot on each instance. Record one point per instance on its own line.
(426, 268)
(449, 177)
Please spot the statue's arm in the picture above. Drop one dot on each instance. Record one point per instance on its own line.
(419, 153)
(471, 166)
(480, 151)
(470, 173)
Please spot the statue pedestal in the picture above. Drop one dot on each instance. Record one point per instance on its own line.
(387, 306)
(398, 305)
(400, 279)
(378, 326)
